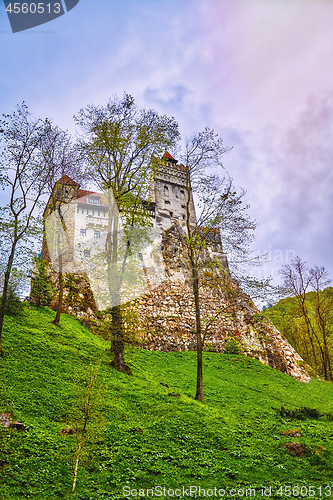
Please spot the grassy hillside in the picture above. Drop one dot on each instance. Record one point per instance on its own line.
(142, 437)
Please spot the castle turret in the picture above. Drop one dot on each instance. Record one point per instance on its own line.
(170, 194)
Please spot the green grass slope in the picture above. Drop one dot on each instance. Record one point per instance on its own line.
(145, 438)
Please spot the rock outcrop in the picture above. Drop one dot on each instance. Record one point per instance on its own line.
(164, 320)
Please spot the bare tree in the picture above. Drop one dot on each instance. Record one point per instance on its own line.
(85, 416)
(61, 154)
(122, 146)
(222, 218)
(203, 152)
(323, 305)
(298, 281)
(24, 175)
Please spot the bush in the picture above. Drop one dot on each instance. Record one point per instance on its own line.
(232, 347)
(300, 413)
(41, 287)
(14, 306)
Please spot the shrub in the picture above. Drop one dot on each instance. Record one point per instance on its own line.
(41, 287)
(232, 347)
(299, 413)
(14, 306)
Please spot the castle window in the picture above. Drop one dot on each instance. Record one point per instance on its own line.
(167, 202)
(171, 214)
(166, 191)
(83, 232)
(183, 217)
(182, 193)
(86, 253)
(183, 206)
(66, 193)
(94, 200)
(97, 234)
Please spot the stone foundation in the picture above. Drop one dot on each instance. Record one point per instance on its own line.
(164, 320)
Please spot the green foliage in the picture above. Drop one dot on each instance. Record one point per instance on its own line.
(257, 318)
(303, 413)
(299, 413)
(232, 347)
(42, 290)
(287, 318)
(148, 437)
(86, 418)
(14, 306)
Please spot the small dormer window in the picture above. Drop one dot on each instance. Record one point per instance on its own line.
(66, 193)
(95, 201)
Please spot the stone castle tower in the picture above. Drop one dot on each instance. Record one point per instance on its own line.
(169, 195)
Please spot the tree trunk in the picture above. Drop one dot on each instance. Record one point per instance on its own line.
(61, 292)
(301, 300)
(322, 321)
(76, 465)
(195, 284)
(79, 451)
(117, 343)
(3, 306)
(5, 291)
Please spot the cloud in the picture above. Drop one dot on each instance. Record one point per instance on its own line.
(291, 184)
(169, 95)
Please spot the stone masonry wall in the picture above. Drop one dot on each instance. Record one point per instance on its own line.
(165, 321)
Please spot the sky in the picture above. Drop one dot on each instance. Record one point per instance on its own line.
(258, 72)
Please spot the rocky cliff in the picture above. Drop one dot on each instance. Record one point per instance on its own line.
(165, 320)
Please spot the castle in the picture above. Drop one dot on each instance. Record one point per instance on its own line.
(86, 218)
(162, 317)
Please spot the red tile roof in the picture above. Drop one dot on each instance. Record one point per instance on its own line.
(168, 155)
(83, 197)
(83, 192)
(65, 179)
